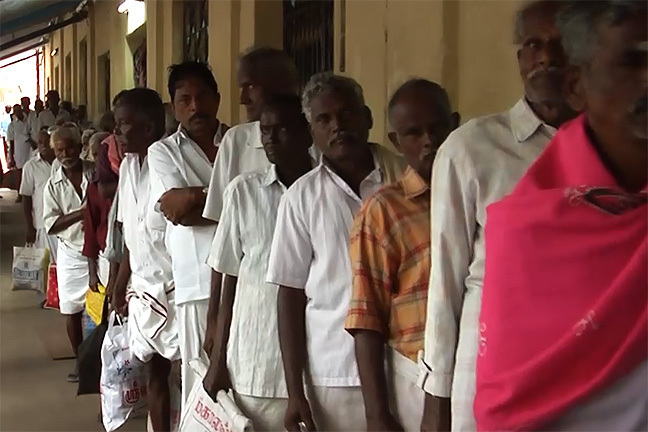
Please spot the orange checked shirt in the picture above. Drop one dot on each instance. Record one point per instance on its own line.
(390, 258)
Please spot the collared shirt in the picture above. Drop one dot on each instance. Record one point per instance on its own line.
(46, 118)
(20, 132)
(310, 251)
(177, 162)
(144, 228)
(241, 248)
(240, 151)
(60, 198)
(479, 164)
(95, 221)
(35, 174)
(390, 260)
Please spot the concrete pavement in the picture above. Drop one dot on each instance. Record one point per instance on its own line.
(34, 395)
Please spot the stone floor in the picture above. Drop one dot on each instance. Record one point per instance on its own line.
(34, 395)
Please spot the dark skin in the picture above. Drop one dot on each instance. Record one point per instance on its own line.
(68, 152)
(53, 100)
(543, 64)
(135, 133)
(285, 139)
(195, 105)
(612, 88)
(420, 127)
(340, 125)
(47, 154)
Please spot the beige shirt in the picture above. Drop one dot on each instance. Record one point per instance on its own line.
(479, 164)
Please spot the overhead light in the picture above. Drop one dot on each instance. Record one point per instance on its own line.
(54, 52)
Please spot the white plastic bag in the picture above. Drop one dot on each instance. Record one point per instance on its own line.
(202, 414)
(123, 377)
(29, 269)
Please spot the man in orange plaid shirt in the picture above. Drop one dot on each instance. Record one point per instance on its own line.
(390, 254)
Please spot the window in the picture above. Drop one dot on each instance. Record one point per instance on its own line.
(308, 35)
(195, 30)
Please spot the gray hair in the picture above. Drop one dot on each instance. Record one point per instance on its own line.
(97, 138)
(531, 7)
(580, 21)
(65, 133)
(87, 134)
(327, 81)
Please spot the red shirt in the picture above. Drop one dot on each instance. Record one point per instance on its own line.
(95, 222)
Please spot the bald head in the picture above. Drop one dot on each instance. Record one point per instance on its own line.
(263, 73)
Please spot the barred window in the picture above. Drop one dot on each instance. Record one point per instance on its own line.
(195, 30)
(308, 35)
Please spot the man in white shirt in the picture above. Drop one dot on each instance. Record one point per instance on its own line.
(180, 167)
(63, 207)
(246, 356)
(262, 73)
(32, 118)
(54, 112)
(310, 256)
(19, 135)
(479, 164)
(153, 333)
(35, 174)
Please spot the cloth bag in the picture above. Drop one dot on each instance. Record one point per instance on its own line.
(29, 269)
(89, 356)
(202, 414)
(123, 377)
(52, 297)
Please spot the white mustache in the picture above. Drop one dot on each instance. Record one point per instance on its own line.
(542, 71)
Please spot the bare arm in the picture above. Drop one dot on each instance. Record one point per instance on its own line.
(212, 311)
(436, 414)
(66, 221)
(291, 310)
(30, 235)
(121, 282)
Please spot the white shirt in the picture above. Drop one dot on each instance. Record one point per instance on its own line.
(20, 131)
(35, 174)
(60, 198)
(240, 151)
(177, 162)
(144, 229)
(241, 248)
(478, 164)
(47, 117)
(310, 251)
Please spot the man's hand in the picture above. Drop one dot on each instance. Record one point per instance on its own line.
(298, 411)
(216, 379)
(92, 275)
(11, 163)
(210, 338)
(386, 423)
(30, 235)
(177, 203)
(436, 414)
(118, 301)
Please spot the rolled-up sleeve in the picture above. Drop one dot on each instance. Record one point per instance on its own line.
(51, 209)
(227, 250)
(453, 225)
(291, 253)
(164, 172)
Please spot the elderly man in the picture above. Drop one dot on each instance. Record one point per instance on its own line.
(63, 209)
(479, 164)
(571, 241)
(181, 165)
(309, 258)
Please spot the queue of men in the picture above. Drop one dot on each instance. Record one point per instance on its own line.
(336, 285)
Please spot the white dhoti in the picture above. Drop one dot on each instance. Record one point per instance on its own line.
(266, 414)
(152, 323)
(73, 280)
(406, 398)
(192, 324)
(337, 408)
(46, 241)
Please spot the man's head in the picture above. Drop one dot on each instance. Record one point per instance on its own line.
(66, 142)
(85, 136)
(95, 143)
(195, 97)
(38, 105)
(262, 73)
(284, 129)
(43, 141)
(52, 97)
(541, 58)
(18, 112)
(8, 109)
(339, 119)
(82, 113)
(67, 106)
(607, 44)
(421, 119)
(25, 102)
(106, 122)
(139, 117)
